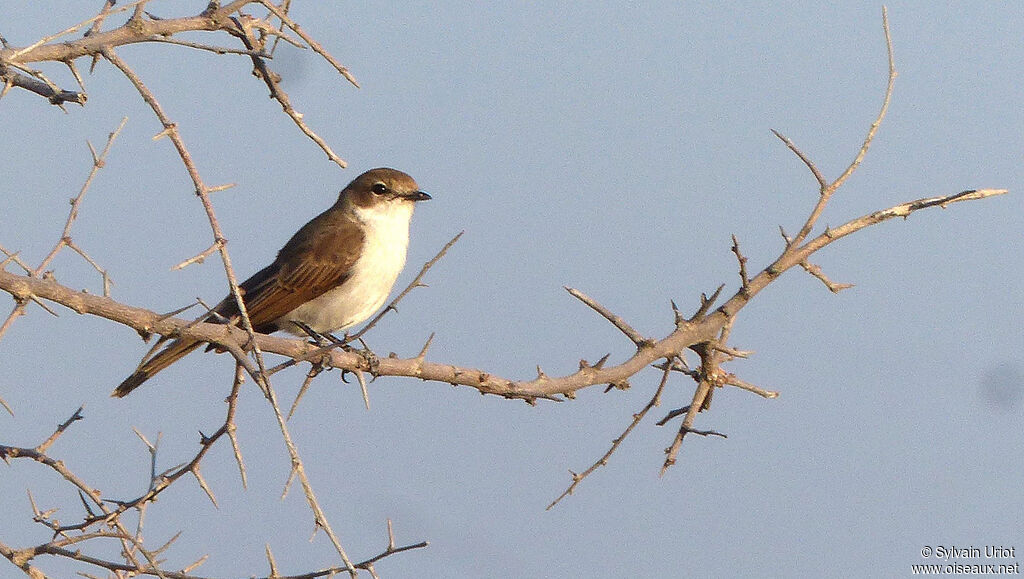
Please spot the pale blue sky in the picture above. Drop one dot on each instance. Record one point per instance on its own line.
(610, 148)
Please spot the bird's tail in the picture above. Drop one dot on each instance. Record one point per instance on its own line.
(175, 351)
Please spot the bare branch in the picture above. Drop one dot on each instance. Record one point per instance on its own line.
(272, 81)
(818, 273)
(827, 191)
(310, 41)
(744, 280)
(822, 182)
(65, 237)
(56, 96)
(300, 471)
(701, 331)
(637, 418)
(208, 47)
(616, 321)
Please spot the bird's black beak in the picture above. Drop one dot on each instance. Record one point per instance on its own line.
(418, 196)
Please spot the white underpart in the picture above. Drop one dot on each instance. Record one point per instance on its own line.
(372, 277)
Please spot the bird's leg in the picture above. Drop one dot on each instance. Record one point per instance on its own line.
(321, 340)
(318, 338)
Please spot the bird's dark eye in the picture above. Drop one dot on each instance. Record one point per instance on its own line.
(379, 189)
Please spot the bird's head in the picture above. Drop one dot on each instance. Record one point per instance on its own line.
(382, 188)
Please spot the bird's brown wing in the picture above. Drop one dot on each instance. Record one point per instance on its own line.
(317, 259)
(307, 267)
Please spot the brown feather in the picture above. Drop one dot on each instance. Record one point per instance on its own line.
(175, 351)
(308, 266)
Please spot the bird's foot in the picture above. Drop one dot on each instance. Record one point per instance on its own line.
(325, 339)
(371, 359)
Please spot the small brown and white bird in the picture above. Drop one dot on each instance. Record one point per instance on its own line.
(334, 273)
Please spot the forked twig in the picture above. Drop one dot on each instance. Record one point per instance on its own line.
(637, 418)
(829, 189)
(278, 94)
(98, 162)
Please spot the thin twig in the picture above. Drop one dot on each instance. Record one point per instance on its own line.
(278, 94)
(637, 418)
(229, 424)
(881, 113)
(208, 47)
(732, 380)
(12, 256)
(744, 280)
(299, 469)
(615, 320)
(198, 258)
(42, 448)
(822, 182)
(816, 271)
(310, 41)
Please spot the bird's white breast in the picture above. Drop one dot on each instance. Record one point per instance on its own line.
(371, 278)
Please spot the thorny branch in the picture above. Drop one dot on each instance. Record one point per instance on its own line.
(637, 418)
(98, 161)
(706, 332)
(259, 375)
(142, 27)
(68, 535)
(691, 331)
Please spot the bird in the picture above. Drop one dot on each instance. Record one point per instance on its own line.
(334, 273)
